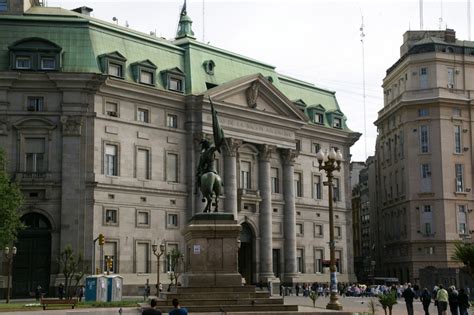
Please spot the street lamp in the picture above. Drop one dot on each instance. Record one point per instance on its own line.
(9, 254)
(158, 255)
(329, 163)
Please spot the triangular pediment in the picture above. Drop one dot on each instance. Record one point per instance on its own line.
(114, 55)
(255, 93)
(336, 112)
(145, 63)
(319, 108)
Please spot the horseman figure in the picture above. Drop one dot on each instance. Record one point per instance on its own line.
(207, 178)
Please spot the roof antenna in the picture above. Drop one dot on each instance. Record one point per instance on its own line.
(441, 17)
(469, 19)
(203, 21)
(362, 35)
(421, 14)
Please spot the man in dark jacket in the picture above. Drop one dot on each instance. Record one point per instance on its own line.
(463, 301)
(409, 295)
(453, 300)
(152, 310)
(426, 300)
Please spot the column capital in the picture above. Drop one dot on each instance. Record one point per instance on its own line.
(265, 151)
(288, 156)
(232, 146)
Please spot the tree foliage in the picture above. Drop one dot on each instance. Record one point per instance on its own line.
(387, 301)
(464, 253)
(176, 261)
(11, 200)
(73, 268)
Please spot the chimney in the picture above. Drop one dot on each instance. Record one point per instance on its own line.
(84, 10)
(450, 35)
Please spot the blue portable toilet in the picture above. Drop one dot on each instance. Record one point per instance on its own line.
(96, 288)
(114, 287)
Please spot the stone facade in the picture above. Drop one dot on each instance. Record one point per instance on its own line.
(107, 142)
(424, 155)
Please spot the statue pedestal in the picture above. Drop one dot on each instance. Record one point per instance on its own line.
(212, 251)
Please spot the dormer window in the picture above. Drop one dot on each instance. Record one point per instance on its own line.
(316, 113)
(113, 64)
(173, 80)
(209, 66)
(336, 119)
(35, 54)
(144, 72)
(337, 122)
(318, 118)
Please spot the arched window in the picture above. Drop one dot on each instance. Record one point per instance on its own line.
(35, 221)
(35, 54)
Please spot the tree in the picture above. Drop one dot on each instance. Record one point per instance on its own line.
(175, 258)
(73, 269)
(388, 301)
(11, 200)
(464, 253)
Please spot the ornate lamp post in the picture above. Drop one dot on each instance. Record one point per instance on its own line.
(329, 163)
(158, 255)
(9, 254)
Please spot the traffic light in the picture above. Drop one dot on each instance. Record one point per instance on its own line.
(101, 239)
(110, 262)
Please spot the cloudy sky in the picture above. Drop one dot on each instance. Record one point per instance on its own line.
(313, 40)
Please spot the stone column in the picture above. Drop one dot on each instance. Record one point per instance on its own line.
(264, 185)
(230, 175)
(288, 158)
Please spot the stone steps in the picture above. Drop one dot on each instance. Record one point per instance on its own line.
(217, 301)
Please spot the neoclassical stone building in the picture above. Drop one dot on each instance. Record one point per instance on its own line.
(424, 156)
(101, 125)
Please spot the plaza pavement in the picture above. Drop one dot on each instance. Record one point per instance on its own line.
(350, 304)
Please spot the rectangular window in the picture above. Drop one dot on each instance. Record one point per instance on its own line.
(143, 164)
(275, 180)
(459, 173)
(143, 218)
(110, 251)
(318, 118)
(450, 78)
(297, 185)
(172, 167)
(316, 147)
(111, 217)
(111, 109)
(111, 160)
(143, 115)
(22, 62)
(338, 261)
(142, 257)
(427, 220)
(171, 264)
(172, 220)
(457, 139)
(318, 260)
(462, 220)
(35, 103)
(34, 150)
(115, 70)
(245, 175)
(336, 190)
(299, 229)
(317, 187)
(425, 177)
(48, 63)
(423, 78)
(337, 122)
(423, 112)
(172, 121)
(146, 77)
(300, 260)
(427, 228)
(175, 84)
(337, 232)
(424, 139)
(457, 112)
(318, 230)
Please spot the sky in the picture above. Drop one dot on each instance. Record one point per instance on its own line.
(318, 41)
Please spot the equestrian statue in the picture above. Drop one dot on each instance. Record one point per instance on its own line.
(207, 178)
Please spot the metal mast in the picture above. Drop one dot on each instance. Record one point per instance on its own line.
(362, 35)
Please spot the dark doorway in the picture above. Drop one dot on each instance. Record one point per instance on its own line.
(32, 263)
(246, 261)
(276, 262)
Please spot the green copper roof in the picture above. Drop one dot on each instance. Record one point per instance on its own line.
(83, 39)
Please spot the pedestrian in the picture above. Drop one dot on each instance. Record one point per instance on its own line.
(297, 289)
(61, 291)
(146, 292)
(453, 300)
(463, 302)
(408, 294)
(426, 300)
(152, 310)
(80, 292)
(177, 310)
(442, 298)
(38, 292)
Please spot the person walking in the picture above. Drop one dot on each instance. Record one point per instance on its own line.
(61, 291)
(152, 310)
(38, 292)
(453, 300)
(426, 300)
(442, 298)
(177, 310)
(463, 302)
(408, 294)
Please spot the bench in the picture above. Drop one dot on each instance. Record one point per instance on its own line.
(51, 302)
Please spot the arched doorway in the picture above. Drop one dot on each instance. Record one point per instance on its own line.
(246, 265)
(32, 263)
